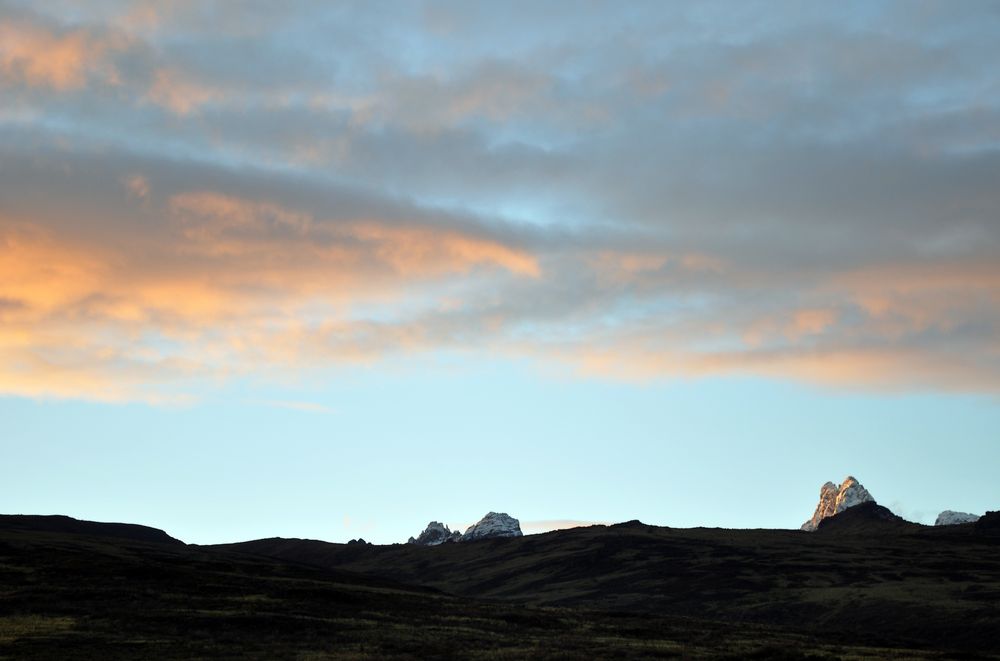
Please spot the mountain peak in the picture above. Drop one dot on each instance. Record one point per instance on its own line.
(834, 499)
(952, 518)
(493, 524)
(435, 533)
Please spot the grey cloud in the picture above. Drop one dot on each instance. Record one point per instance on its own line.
(840, 161)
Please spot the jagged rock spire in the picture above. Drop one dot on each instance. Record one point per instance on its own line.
(435, 533)
(834, 499)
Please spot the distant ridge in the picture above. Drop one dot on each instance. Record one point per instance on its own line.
(66, 524)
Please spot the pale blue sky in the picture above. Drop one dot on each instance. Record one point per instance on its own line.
(336, 270)
(417, 442)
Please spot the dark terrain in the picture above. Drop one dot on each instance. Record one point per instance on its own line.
(865, 585)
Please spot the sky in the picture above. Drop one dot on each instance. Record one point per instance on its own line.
(335, 270)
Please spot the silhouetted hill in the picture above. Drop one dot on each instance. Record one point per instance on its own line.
(73, 596)
(82, 589)
(988, 524)
(907, 583)
(867, 518)
(69, 525)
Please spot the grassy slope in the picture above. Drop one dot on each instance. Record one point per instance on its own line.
(65, 595)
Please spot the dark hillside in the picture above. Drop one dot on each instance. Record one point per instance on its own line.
(905, 583)
(69, 596)
(65, 524)
(867, 518)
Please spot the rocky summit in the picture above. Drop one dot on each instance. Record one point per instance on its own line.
(435, 533)
(493, 525)
(952, 518)
(834, 499)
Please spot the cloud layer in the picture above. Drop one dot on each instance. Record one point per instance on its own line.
(804, 192)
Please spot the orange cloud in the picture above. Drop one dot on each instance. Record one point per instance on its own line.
(216, 285)
(43, 273)
(232, 285)
(37, 57)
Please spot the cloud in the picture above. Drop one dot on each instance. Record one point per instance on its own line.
(37, 55)
(210, 285)
(729, 194)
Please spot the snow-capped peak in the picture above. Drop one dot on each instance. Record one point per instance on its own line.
(952, 518)
(835, 499)
(493, 525)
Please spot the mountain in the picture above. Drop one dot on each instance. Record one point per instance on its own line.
(952, 518)
(493, 525)
(834, 499)
(68, 525)
(435, 533)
